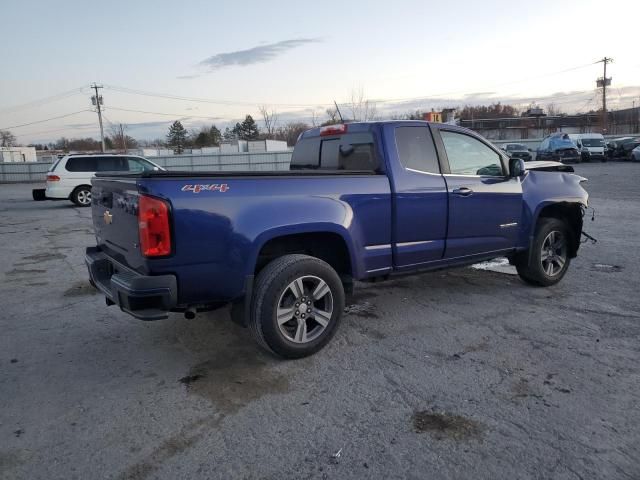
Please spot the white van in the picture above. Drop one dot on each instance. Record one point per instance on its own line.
(590, 145)
(70, 177)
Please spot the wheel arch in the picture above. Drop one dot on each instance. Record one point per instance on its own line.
(77, 187)
(328, 242)
(569, 212)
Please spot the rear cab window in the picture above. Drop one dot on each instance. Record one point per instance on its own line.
(351, 151)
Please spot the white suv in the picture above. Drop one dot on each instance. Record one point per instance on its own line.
(70, 177)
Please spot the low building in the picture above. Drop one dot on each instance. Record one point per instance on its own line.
(432, 116)
(18, 154)
(538, 125)
(234, 146)
(267, 146)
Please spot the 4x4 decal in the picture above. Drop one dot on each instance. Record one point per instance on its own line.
(211, 187)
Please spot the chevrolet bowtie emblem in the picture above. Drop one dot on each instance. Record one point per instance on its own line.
(108, 218)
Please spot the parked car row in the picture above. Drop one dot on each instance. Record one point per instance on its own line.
(70, 177)
(578, 147)
(624, 148)
(559, 147)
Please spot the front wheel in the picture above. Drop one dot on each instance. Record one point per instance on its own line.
(548, 260)
(297, 305)
(81, 196)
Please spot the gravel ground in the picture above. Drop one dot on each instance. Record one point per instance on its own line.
(467, 373)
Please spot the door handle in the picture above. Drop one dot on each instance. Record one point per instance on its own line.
(462, 191)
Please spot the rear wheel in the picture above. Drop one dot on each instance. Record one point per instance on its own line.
(81, 196)
(297, 305)
(548, 260)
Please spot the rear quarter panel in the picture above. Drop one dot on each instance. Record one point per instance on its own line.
(218, 235)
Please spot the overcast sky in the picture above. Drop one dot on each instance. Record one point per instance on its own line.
(299, 56)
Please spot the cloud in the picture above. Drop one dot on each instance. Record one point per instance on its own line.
(251, 56)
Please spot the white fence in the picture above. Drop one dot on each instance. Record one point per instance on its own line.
(256, 161)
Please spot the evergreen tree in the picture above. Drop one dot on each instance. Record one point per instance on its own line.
(215, 136)
(229, 134)
(237, 131)
(177, 136)
(201, 140)
(249, 129)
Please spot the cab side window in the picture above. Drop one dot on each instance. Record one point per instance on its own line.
(416, 149)
(469, 156)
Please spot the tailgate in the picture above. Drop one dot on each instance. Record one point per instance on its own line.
(115, 219)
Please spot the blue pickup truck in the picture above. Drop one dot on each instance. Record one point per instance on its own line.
(361, 201)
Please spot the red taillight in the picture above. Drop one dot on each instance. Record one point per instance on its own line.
(153, 226)
(333, 130)
(53, 178)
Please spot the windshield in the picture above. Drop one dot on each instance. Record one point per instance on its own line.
(562, 142)
(593, 142)
(516, 146)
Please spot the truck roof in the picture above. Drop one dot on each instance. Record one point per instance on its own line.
(358, 127)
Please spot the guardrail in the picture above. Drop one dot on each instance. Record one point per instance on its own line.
(255, 161)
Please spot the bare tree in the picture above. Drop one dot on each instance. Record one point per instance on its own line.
(332, 113)
(314, 118)
(7, 139)
(362, 109)
(121, 141)
(553, 110)
(291, 131)
(270, 118)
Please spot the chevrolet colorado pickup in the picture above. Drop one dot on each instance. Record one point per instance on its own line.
(361, 201)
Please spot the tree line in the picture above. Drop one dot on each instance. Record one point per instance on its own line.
(179, 138)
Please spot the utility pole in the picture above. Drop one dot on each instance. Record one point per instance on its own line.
(604, 82)
(124, 138)
(97, 101)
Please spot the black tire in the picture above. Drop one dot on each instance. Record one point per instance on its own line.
(272, 288)
(81, 196)
(530, 265)
(39, 194)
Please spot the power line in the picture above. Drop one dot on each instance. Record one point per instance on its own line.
(209, 100)
(318, 104)
(56, 130)
(45, 120)
(167, 114)
(45, 100)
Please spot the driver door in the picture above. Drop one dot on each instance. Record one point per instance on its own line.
(485, 204)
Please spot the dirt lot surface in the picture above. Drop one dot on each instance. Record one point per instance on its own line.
(459, 374)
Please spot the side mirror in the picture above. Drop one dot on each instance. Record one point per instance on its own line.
(516, 167)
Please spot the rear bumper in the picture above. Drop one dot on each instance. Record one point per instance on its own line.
(57, 192)
(144, 297)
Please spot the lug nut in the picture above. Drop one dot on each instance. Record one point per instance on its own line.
(302, 315)
(309, 303)
(297, 312)
(297, 304)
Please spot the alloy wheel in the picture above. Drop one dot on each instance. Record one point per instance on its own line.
(304, 309)
(553, 255)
